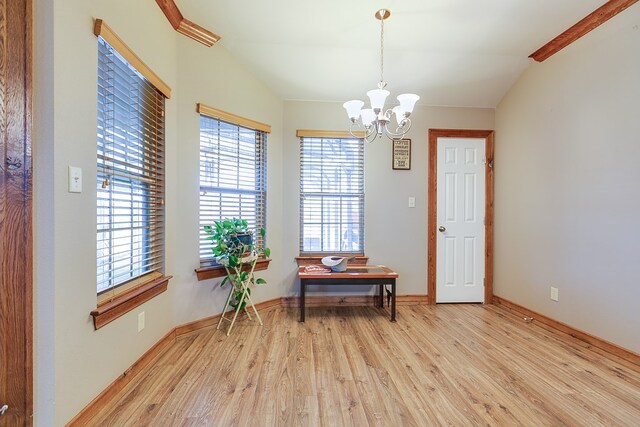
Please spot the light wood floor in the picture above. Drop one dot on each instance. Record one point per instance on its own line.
(438, 365)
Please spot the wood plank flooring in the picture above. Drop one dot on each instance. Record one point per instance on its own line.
(453, 365)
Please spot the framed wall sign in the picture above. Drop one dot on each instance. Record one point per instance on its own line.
(401, 154)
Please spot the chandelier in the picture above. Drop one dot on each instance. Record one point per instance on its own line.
(375, 120)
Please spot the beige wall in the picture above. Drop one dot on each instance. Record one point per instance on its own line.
(86, 361)
(567, 196)
(395, 235)
(211, 76)
(73, 362)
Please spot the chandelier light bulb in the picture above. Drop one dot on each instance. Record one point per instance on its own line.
(368, 116)
(377, 98)
(353, 108)
(407, 102)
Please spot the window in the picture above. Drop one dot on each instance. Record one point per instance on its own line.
(232, 176)
(331, 195)
(130, 177)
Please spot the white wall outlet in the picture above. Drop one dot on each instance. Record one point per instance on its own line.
(140, 321)
(75, 179)
(412, 202)
(554, 294)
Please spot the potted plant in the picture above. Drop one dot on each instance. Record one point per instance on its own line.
(235, 249)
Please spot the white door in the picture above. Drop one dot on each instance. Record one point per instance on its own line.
(460, 220)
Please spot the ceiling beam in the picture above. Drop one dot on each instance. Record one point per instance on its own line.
(588, 23)
(184, 26)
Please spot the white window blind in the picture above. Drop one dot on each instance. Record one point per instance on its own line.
(232, 177)
(130, 177)
(331, 195)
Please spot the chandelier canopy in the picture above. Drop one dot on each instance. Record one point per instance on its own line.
(375, 120)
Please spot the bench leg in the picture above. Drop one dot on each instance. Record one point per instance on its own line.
(393, 300)
(303, 286)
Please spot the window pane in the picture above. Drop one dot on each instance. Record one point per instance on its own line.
(232, 177)
(130, 176)
(332, 195)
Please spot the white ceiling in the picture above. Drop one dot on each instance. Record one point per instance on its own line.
(450, 52)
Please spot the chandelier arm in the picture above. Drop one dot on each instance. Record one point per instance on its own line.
(368, 132)
(353, 124)
(400, 132)
(370, 137)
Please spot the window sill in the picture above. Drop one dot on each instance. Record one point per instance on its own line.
(302, 260)
(205, 273)
(124, 303)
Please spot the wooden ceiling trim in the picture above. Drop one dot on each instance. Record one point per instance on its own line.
(588, 23)
(197, 33)
(184, 26)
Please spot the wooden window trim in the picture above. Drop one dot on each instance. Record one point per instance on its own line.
(215, 271)
(215, 113)
(302, 260)
(309, 133)
(103, 30)
(112, 293)
(127, 301)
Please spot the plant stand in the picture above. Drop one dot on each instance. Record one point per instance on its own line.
(243, 285)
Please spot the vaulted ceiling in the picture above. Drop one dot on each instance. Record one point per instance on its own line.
(450, 52)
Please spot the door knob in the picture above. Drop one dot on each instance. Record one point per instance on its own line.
(3, 409)
(442, 229)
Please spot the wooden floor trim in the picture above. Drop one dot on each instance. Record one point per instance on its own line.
(125, 378)
(213, 320)
(600, 343)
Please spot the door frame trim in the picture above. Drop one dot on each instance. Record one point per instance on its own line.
(432, 219)
(16, 236)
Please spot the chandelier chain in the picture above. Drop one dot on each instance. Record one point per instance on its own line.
(382, 50)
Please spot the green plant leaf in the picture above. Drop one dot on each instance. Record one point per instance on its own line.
(224, 281)
(263, 232)
(233, 261)
(267, 252)
(260, 281)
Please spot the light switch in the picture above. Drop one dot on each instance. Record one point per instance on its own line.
(412, 202)
(75, 179)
